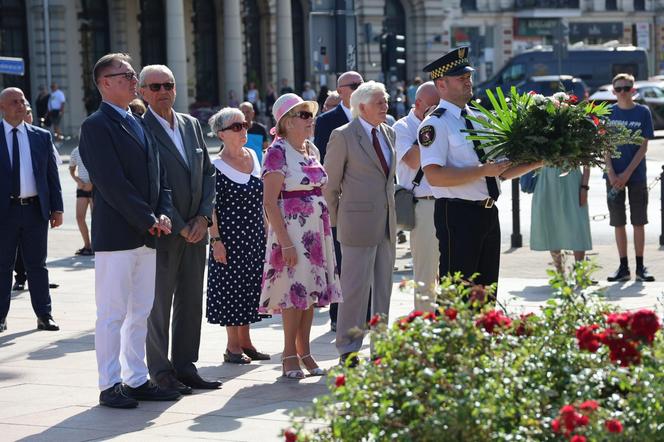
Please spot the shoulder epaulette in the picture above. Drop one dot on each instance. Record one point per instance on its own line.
(439, 112)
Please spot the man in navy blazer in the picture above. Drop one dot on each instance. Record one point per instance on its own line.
(325, 124)
(132, 208)
(30, 198)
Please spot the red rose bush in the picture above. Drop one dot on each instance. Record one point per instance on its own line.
(577, 370)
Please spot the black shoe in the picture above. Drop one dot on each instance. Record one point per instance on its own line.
(116, 397)
(53, 285)
(256, 355)
(621, 275)
(236, 358)
(333, 327)
(150, 391)
(401, 237)
(46, 322)
(194, 380)
(644, 275)
(18, 286)
(3, 324)
(349, 360)
(168, 381)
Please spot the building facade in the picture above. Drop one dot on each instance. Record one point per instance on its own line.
(216, 47)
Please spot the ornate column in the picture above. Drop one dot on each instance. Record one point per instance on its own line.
(176, 53)
(285, 60)
(233, 62)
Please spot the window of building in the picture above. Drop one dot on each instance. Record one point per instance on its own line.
(153, 32)
(639, 5)
(14, 43)
(253, 20)
(95, 42)
(468, 5)
(205, 52)
(611, 5)
(299, 68)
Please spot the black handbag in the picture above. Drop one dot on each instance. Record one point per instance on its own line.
(404, 203)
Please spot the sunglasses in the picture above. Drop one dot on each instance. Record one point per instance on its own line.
(127, 75)
(156, 87)
(623, 88)
(236, 127)
(353, 86)
(303, 115)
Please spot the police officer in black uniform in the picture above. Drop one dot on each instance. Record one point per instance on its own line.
(466, 188)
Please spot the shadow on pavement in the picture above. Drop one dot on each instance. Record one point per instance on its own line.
(62, 347)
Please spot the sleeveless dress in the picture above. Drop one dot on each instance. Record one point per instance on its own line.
(557, 221)
(234, 288)
(314, 279)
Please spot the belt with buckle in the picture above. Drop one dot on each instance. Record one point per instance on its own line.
(425, 197)
(486, 203)
(24, 201)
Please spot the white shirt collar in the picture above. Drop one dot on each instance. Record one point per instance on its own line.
(452, 108)
(8, 128)
(347, 111)
(122, 112)
(413, 118)
(166, 124)
(368, 127)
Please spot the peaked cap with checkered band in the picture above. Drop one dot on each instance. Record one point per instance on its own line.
(452, 64)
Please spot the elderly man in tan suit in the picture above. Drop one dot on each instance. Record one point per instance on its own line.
(360, 163)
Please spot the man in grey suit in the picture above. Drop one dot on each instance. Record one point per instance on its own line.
(180, 256)
(360, 163)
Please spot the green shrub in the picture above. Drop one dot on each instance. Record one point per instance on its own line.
(578, 370)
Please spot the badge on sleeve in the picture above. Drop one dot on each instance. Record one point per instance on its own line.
(426, 136)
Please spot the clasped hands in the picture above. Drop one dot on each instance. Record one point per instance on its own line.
(195, 229)
(163, 225)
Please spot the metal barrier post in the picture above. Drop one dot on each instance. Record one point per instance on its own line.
(516, 239)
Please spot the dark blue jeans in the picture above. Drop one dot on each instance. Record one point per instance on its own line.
(24, 226)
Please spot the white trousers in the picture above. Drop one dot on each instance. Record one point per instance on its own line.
(424, 248)
(124, 293)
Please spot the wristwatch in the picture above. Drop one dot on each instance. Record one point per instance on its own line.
(585, 186)
(214, 240)
(208, 219)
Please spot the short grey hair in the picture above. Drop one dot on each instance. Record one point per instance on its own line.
(152, 68)
(364, 94)
(222, 119)
(246, 104)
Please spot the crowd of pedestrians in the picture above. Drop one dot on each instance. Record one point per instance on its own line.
(285, 221)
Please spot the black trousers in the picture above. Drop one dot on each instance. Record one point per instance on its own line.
(468, 240)
(19, 268)
(24, 226)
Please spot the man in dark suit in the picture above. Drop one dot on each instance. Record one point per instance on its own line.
(30, 198)
(181, 256)
(347, 83)
(132, 207)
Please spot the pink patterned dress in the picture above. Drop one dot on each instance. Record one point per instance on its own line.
(313, 280)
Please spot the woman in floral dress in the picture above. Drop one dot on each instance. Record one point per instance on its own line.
(299, 271)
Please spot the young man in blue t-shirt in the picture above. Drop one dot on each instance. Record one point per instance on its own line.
(629, 171)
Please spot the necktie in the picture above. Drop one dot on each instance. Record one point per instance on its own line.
(491, 183)
(379, 151)
(16, 165)
(135, 127)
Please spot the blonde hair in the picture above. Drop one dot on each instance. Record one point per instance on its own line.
(623, 76)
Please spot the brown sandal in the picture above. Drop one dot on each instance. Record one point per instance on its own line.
(236, 358)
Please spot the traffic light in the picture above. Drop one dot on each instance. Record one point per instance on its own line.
(393, 51)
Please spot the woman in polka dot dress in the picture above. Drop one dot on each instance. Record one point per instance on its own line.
(237, 238)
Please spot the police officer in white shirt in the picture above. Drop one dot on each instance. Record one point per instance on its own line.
(465, 187)
(410, 175)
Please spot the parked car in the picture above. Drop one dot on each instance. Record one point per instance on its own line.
(649, 93)
(550, 84)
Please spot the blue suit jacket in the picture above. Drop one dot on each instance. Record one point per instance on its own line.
(45, 169)
(130, 189)
(325, 124)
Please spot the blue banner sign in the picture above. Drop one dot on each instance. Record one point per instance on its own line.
(12, 65)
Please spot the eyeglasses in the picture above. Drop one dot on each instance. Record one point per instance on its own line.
(353, 86)
(623, 88)
(236, 127)
(127, 75)
(155, 87)
(303, 115)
